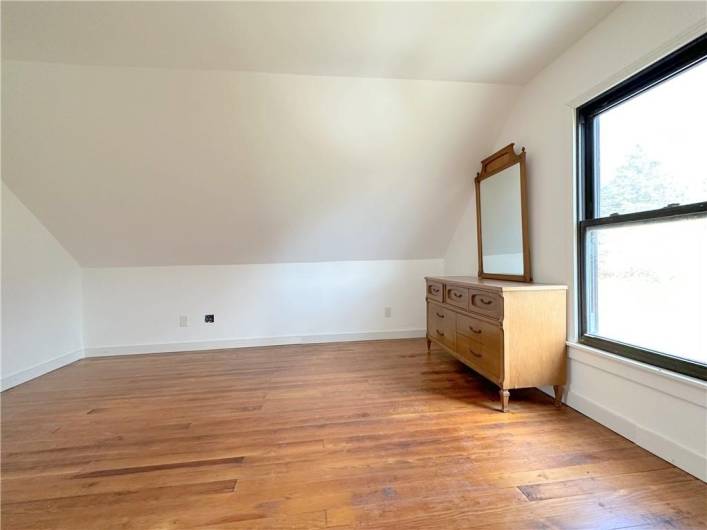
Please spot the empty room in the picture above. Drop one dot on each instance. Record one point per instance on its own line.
(353, 265)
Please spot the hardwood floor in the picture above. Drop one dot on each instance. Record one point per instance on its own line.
(370, 434)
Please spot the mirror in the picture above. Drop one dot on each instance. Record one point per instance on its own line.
(501, 217)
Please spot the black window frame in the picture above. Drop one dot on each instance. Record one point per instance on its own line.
(660, 71)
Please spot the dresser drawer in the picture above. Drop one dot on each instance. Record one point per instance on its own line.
(479, 331)
(441, 324)
(457, 296)
(486, 303)
(485, 359)
(435, 291)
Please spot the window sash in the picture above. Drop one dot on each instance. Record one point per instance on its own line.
(637, 353)
(672, 65)
(647, 215)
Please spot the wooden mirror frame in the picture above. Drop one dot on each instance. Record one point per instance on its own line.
(500, 160)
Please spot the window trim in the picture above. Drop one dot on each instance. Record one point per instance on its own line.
(666, 68)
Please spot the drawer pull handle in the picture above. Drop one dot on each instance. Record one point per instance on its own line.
(474, 353)
(486, 302)
(456, 294)
(440, 315)
(434, 290)
(474, 330)
(440, 333)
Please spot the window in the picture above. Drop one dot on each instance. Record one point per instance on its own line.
(642, 150)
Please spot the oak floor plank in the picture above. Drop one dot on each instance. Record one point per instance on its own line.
(374, 435)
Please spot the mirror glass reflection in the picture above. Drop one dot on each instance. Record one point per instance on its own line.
(501, 222)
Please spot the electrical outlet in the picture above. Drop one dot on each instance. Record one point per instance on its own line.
(388, 312)
(209, 319)
(183, 321)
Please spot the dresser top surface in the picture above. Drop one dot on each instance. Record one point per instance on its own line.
(497, 285)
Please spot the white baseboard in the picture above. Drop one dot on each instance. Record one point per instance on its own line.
(659, 445)
(136, 349)
(39, 369)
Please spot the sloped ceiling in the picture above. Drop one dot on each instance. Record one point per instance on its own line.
(490, 42)
(152, 150)
(131, 166)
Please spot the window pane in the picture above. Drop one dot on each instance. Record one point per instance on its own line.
(650, 148)
(646, 286)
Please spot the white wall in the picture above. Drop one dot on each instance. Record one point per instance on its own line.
(186, 167)
(654, 411)
(661, 411)
(542, 120)
(41, 297)
(461, 257)
(136, 310)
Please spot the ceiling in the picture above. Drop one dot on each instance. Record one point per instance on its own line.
(183, 133)
(135, 166)
(490, 42)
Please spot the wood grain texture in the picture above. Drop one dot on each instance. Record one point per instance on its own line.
(484, 359)
(374, 435)
(486, 332)
(513, 335)
(435, 291)
(492, 285)
(535, 324)
(457, 296)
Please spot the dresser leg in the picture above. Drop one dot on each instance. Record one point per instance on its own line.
(558, 394)
(429, 345)
(505, 395)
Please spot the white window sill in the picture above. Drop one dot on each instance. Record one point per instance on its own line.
(677, 385)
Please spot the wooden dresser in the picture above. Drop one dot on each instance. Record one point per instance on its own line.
(512, 333)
